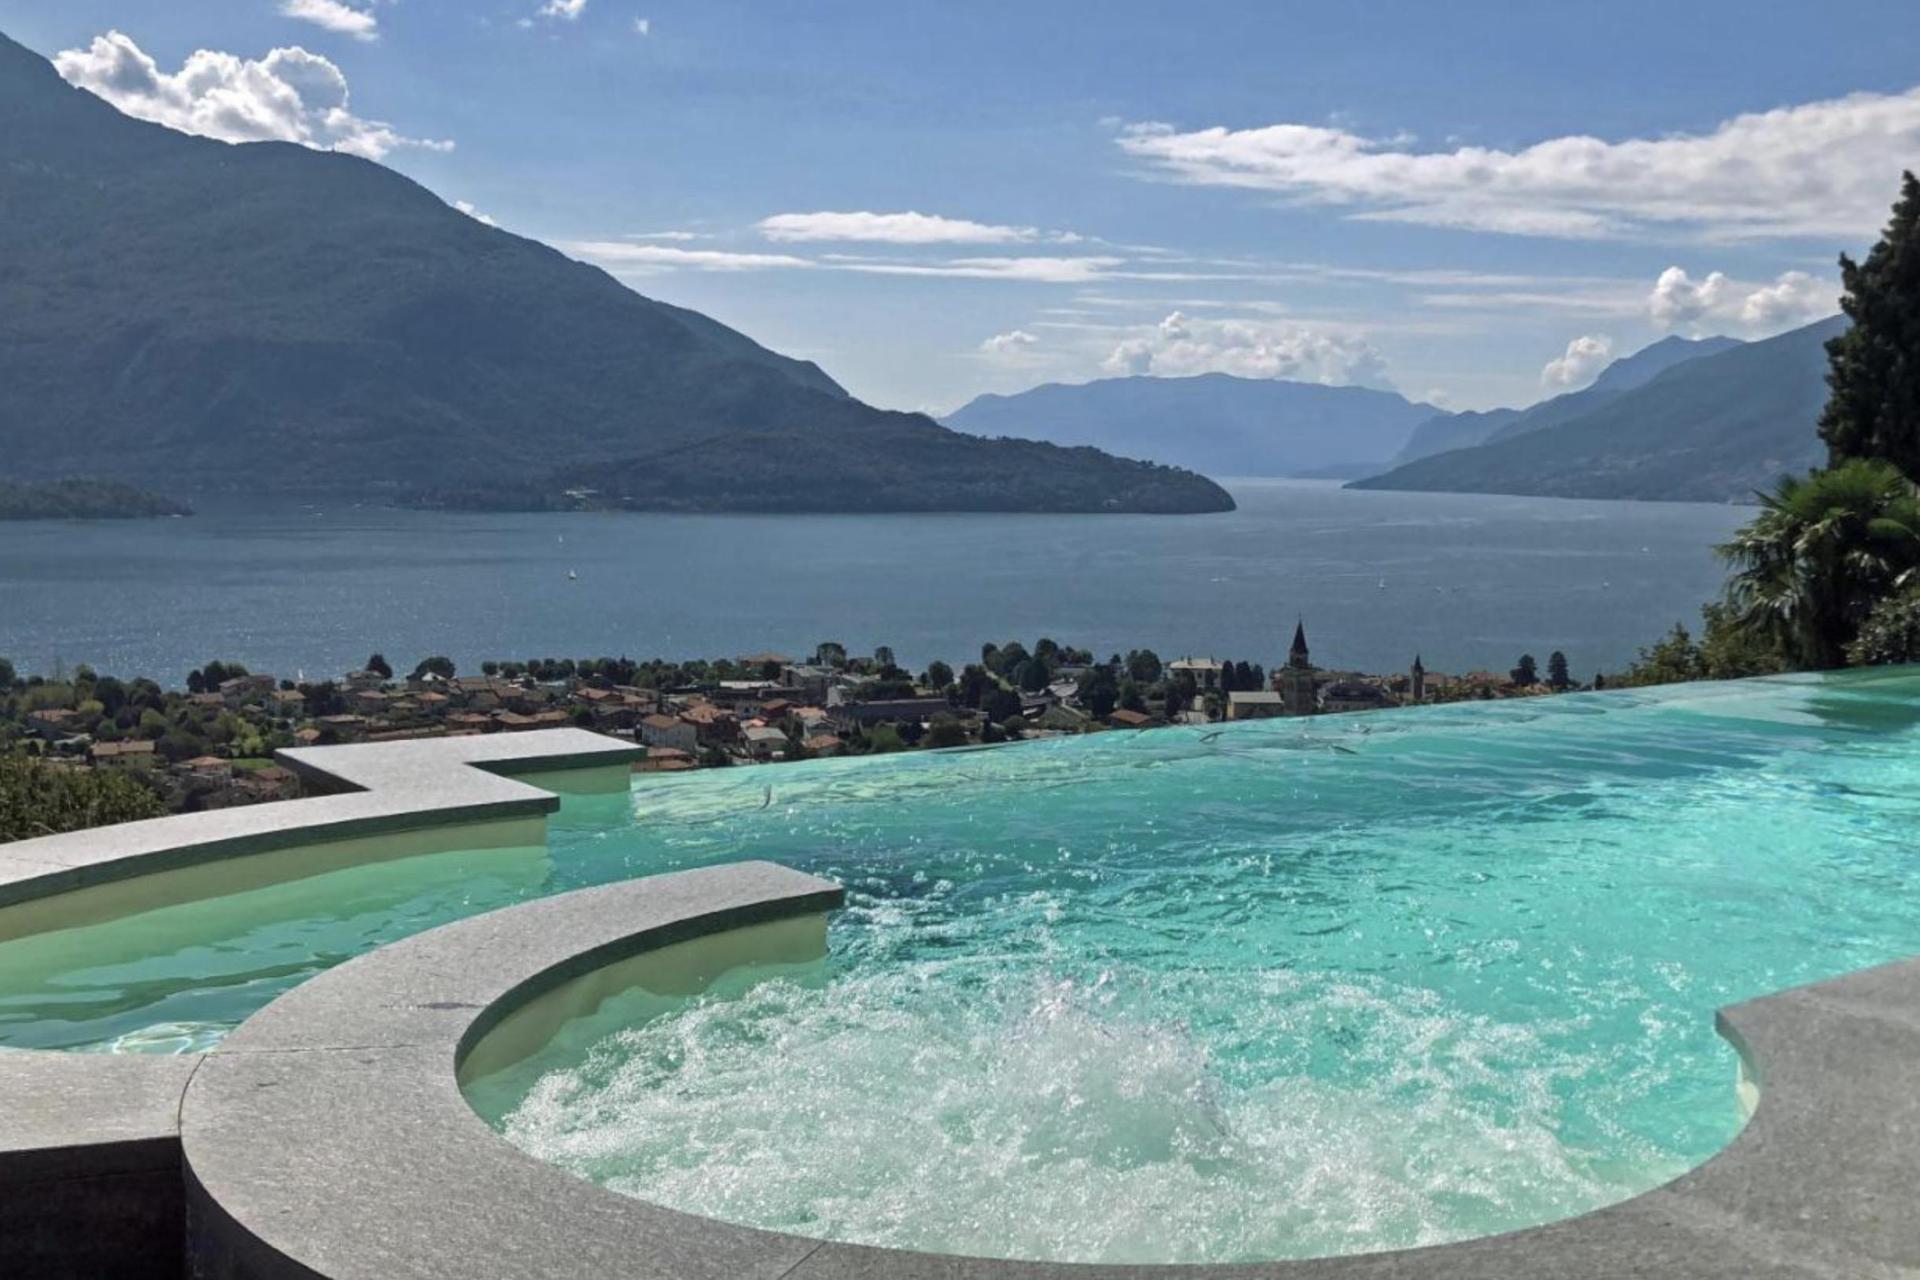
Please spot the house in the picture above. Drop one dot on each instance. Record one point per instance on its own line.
(665, 760)
(241, 690)
(1205, 671)
(369, 702)
(714, 726)
(825, 744)
(1354, 695)
(208, 768)
(763, 742)
(1255, 704)
(470, 722)
(808, 680)
(306, 737)
(668, 733)
(270, 783)
(287, 702)
(890, 711)
(357, 680)
(345, 728)
(131, 754)
(1121, 718)
(54, 723)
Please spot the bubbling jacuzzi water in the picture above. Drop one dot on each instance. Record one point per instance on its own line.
(1285, 990)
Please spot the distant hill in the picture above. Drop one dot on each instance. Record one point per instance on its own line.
(1465, 430)
(83, 500)
(1213, 423)
(1712, 428)
(1447, 431)
(187, 314)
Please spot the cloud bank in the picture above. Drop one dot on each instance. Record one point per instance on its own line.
(1181, 346)
(1795, 298)
(288, 96)
(890, 228)
(1821, 169)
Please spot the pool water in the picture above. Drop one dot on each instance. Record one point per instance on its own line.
(1257, 991)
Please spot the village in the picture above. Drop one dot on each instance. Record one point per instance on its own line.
(210, 746)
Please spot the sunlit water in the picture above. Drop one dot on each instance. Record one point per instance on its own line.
(1261, 991)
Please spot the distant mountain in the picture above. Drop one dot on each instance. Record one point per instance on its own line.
(1713, 428)
(1465, 430)
(1214, 423)
(1447, 431)
(265, 318)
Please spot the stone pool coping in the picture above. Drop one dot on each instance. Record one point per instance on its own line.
(101, 1126)
(329, 1136)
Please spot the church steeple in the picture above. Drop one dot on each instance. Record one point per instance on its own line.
(1297, 655)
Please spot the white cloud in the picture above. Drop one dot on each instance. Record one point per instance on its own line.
(1678, 301)
(1826, 169)
(569, 10)
(1181, 345)
(1036, 270)
(1584, 359)
(467, 208)
(342, 19)
(616, 254)
(890, 228)
(1014, 343)
(288, 96)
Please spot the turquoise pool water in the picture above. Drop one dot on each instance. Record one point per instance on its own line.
(1269, 990)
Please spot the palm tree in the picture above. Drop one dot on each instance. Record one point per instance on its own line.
(1824, 548)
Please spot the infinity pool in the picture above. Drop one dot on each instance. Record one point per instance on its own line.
(1258, 991)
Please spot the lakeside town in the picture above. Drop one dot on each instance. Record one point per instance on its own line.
(210, 745)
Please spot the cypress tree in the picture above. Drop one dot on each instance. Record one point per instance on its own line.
(1874, 367)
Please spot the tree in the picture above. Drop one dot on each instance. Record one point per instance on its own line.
(1891, 632)
(1099, 692)
(830, 653)
(379, 666)
(1557, 677)
(939, 675)
(1002, 705)
(1525, 672)
(1873, 410)
(945, 731)
(976, 684)
(1823, 550)
(36, 800)
(7, 674)
(1033, 675)
(1144, 666)
(438, 665)
(883, 656)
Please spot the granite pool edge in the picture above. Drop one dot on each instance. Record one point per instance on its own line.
(89, 1142)
(329, 1137)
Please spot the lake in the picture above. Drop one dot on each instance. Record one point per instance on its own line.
(1465, 580)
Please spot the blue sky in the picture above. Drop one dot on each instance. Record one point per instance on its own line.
(1473, 203)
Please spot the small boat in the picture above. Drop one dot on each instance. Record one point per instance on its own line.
(572, 576)
(1383, 584)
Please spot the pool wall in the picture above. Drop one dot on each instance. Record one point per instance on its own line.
(329, 1136)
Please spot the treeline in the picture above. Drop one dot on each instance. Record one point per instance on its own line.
(82, 500)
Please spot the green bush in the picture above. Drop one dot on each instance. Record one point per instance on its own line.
(39, 800)
(1890, 634)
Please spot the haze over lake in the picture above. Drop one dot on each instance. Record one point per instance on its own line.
(1466, 580)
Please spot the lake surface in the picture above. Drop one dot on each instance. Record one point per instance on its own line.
(1466, 580)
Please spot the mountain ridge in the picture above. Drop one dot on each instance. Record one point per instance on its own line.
(1216, 423)
(267, 318)
(1714, 428)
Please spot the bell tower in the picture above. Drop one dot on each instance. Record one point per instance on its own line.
(1294, 682)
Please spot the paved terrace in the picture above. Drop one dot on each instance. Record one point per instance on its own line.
(328, 1137)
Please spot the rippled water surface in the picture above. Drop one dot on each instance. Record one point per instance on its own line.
(1259, 991)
